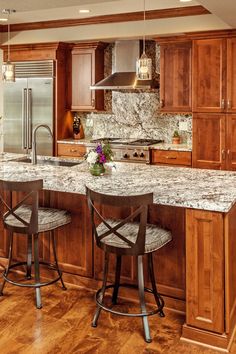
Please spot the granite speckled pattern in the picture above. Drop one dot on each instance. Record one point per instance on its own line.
(174, 147)
(173, 186)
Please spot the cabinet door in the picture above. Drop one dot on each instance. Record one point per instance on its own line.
(175, 77)
(209, 141)
(82, 79)
(231, 75)
(87, 69)
(209, 64)
(231, 141)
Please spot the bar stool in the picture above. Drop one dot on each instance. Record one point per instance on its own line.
(26, 217)
(127, 237)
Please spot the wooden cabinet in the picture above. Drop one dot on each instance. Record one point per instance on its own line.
(205, 271)
(214, 141)
(231, 75)
(214, 75)
(175, 77)
(171, 157)
(71, 150)
(87, 69)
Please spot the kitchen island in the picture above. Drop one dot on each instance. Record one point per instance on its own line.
(196, 272)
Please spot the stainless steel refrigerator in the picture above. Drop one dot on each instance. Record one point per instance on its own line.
(26, 103)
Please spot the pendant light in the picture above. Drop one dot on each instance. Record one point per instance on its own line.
(144, 64)
(8, 69)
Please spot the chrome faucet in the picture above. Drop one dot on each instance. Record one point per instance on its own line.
(34, 153)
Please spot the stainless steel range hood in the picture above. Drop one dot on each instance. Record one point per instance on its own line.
(124, 69)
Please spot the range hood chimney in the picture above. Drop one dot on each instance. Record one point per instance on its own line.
(124, 69)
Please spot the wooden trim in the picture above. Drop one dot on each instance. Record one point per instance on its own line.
(205, 338)
(196, 35)
(98, 20)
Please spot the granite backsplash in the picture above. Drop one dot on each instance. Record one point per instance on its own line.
(135, 114)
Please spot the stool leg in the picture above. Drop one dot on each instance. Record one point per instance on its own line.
(142, 299)
(55, 259)
(29, 257)
(37, 273)
(9, 261)
(117, 280)
(101, 295)
(154, 288)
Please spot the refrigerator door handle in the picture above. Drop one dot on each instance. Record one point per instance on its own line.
(24, 117)
(29, 120)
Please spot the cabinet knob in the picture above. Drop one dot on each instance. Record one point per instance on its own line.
(73, 150)
(162, 103)
(229, 105)
(222, 103)
(228, 152)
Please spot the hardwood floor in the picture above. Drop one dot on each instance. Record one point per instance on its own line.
(63, 326)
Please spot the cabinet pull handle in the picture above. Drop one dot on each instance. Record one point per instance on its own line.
(73, 150)
(223, 154)
(228, 152)
(222, 103)
(93, 102)
(162, 103)
(229, 104)
(170, 157)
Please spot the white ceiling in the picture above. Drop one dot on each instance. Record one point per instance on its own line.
(222, 17)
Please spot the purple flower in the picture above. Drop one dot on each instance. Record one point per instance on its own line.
(102, 158)
(99, 149)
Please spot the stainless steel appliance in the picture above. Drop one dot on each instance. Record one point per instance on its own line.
(129, 150)
(27, 103)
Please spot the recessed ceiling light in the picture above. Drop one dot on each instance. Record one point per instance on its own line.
(3, 19)
(84, 11)
(185, 0)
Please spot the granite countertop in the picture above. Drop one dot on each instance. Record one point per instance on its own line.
(74, 141)
(161, 146)
(173, 186)
(174, 147)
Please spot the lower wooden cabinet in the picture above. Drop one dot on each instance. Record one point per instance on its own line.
(71, 150)
(171, 157)
(214, 141)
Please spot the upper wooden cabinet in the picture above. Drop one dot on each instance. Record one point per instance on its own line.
(214, 141)
(214, 75)
(175, 77)
(87, 69)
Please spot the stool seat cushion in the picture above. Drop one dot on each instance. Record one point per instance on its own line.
(48, 218)
(156, 237)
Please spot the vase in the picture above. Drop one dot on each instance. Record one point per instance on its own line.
(97, 169)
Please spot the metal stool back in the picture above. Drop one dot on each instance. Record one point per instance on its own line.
(126, 237)
(23, 218)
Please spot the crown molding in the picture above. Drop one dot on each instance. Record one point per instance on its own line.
(115, 18)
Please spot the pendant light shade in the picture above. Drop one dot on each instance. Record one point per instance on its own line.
(144, 64)
(8, 72)
(8, 69)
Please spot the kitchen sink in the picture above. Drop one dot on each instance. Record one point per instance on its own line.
(50, 162)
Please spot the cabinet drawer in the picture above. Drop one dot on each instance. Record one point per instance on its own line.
(71, 150)
(183, 158)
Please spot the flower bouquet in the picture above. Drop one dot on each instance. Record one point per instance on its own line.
(98, 157)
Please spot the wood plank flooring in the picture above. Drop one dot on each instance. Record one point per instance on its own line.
(63, 325)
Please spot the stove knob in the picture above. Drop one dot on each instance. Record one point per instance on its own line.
(135, 154)
(142, 154)
(125, 156)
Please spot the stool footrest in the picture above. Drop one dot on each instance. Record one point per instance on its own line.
(147, 313)
(32, 285)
